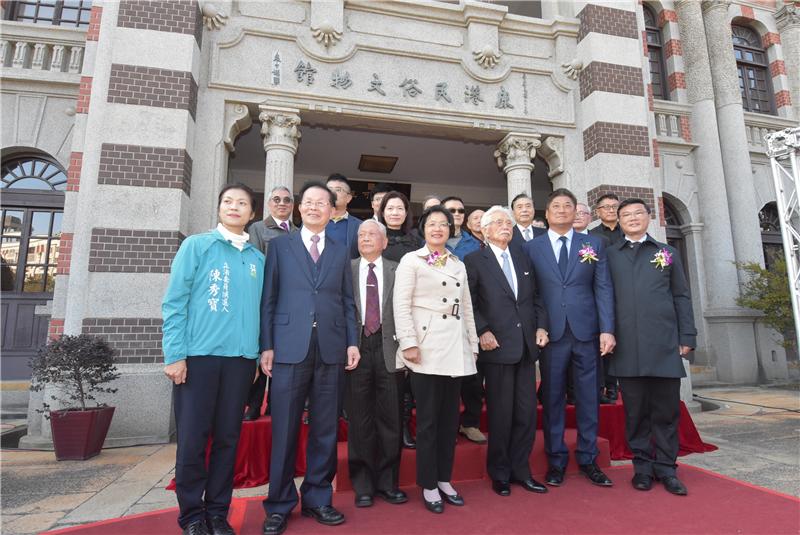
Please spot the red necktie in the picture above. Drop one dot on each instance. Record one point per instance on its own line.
(372, 315)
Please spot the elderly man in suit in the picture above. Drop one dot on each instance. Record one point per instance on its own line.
(308, 339)
(524, 231)
(655, 328)
(373, 390)
(572, 276)
(280, 204)
(512, 325)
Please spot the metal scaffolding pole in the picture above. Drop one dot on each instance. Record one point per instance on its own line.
(782, 149)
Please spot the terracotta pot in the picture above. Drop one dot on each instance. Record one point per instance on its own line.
(79, 435)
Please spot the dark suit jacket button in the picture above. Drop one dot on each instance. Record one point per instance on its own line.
(456, 300)
(564, 305)
(458, 317)
(444, 316)
(424, 328)
(458, 284)
(444, 283)
(444, 300)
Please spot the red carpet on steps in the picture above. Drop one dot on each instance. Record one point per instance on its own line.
(715, 505)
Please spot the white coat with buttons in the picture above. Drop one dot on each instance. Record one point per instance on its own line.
(433, 311)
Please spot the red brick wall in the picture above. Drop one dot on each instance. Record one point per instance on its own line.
(686, 129)
(133, 251)
(623, 192)
(84, 94)
(136, 340)
(175, 16)
(769, 39)
(64, 253)
(777, 67)
(656, 154)
(93, 32)
(55, 328)
(74, 171)
(616, 138)
(673, 47)
(607, 20)
(783, 98)
(747, 12)
(150, 167)
(665, 16)
(676, 80)
(147, 86)
(611, 78)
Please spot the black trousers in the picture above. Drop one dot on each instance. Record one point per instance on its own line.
(210, 402)
(437, 426)
(472, 398)
(511, 407)
(373, 402)
(652, 412)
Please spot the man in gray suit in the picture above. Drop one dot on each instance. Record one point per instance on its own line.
(280, 204)
(655, 328)
(373, 390)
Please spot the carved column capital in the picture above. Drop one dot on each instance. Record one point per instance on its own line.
(279, 126)
(517, 150)
(553, 152)
(788, 17)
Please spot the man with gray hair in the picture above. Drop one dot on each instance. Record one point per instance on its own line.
(512, 324)
(373, 390)
(280, 204)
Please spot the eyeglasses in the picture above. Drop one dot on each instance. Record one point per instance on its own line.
(456, 210)
(631, 215)
(608, 207)
(584, 213)
(282, 200)
(312, 204)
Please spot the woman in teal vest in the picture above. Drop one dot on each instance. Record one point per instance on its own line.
(211, 318)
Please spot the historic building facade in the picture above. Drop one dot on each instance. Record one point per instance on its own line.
(122, 120)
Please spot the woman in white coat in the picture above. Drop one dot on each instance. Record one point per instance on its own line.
(438, 344)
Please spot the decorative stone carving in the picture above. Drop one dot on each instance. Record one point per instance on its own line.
(237, 120)
(326, 34)
(572, 68)
(487, 57)
(516, 149)
(213, 17)
(552, 150)
(280, 129)
(788, 15)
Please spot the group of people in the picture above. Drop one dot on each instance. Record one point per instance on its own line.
(381, 319)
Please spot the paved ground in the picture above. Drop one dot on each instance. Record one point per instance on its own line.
(757, 430)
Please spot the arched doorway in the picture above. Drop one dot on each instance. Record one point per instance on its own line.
(770, 234)
(675, 236)
(32, 209)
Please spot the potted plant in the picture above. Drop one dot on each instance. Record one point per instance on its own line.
(78, 367)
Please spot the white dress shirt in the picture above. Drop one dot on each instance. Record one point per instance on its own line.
(555, 242)
(523, 229)
(306, 234)
(363, 271)
(640, 240)
(497, 252)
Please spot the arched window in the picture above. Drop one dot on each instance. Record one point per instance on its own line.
(754, 78)
(658, 72)
(770, 233)
(674, 235)
(32, 173)
(70, 13)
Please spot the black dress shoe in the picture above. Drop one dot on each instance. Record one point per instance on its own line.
(674, 486)
(250, 416)
(324, 514)
(363, 500)
(275, 524)
(531, 485)
(604, 400)
(503, 488)
(218, 525)
(408, 439)
(595, 475)
(198, 527)
(434, 507)
(554, 476)
(612, 394)
(452, 499)
(394, 496)
(642, 482)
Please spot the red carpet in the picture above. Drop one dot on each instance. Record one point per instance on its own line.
(715, 505)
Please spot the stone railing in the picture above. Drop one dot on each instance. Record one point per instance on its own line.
(672, 120)
(758, 125)
(35, 47)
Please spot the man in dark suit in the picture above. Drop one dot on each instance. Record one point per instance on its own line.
(572, 277)
(308, 339)
(343, 227)
(280, 204)
(374, 389)
(655, 328)
(512, 325)
(523, 210)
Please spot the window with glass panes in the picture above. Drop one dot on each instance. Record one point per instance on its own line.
(70, 13)
(655, 53)
(754, 79)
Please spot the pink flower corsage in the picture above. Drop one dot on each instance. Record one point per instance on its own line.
(587, 253)
(435, 259)
(662, 259)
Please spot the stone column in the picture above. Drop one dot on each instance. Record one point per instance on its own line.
(728, 346)
(514, 154)
(732, 136)
(279, 128)
(788, 21)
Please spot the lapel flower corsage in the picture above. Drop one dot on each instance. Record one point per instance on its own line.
(435, 259)
(587, 253)
(662, 259)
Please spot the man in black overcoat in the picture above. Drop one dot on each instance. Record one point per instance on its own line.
(654, 329)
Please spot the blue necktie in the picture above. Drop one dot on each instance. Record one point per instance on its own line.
(507, 272)
(562, 256)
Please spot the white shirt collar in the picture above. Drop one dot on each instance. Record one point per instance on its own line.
(554, 236)
(280, 221)
(640, 240)
(498, 251)
(237, 240)
(364, 264)
(306, 235)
